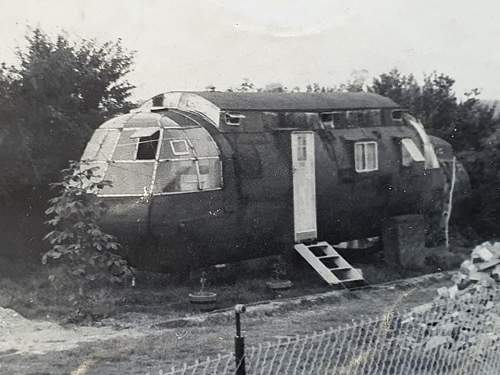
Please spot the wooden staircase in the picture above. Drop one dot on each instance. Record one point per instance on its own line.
(329, 264)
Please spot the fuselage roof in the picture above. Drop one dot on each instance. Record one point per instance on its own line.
(302, 102)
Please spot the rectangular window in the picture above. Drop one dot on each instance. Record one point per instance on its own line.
(410, 152)
(147, 146)
(128, 178)
(397, 115)
(374, 117)
(327, 120)
(126, 148)
(301, 148)
(354, 119)
(234, 118)
(101, 145)
(177, 176)
(365, 156)
(179, 147)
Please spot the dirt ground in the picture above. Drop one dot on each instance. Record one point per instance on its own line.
(52, 323)
(135, 343)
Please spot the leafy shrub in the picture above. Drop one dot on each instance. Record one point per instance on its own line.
(74, 216)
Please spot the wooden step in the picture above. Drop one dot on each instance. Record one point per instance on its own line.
(328, 257)
(352, 280)
(342, 273)
(340, 269)
(316, 263)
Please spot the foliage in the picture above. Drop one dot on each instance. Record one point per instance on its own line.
(74, 215)
(470, 126)
(246, 86)
(435, 103)
(55, 96)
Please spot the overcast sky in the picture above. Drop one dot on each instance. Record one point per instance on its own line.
(186, 44)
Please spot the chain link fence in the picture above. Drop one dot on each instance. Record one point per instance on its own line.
(453, 336)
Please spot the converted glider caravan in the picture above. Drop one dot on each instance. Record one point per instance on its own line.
(202, 178)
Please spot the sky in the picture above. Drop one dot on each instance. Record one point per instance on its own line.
(188, 45)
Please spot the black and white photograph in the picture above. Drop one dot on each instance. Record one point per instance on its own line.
(229, 187)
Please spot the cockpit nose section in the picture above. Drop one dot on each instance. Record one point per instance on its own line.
(167, 152)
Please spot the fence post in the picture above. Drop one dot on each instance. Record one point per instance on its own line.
(239, 342)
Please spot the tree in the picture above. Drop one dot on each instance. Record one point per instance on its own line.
(56, 95)
(470, 126)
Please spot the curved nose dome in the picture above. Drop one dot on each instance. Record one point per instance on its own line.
(167, 152)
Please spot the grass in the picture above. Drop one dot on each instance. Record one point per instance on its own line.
(52, 293)
(160, 348)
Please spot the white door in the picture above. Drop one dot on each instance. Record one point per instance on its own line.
(304, 186)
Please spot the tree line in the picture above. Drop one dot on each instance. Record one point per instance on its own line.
(61, 90)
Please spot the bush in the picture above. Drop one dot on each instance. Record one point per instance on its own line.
(76, 235)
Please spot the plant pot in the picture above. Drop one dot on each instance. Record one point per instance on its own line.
(278, 285)
(203, 301)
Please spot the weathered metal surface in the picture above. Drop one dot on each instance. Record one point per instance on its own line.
(251, 214)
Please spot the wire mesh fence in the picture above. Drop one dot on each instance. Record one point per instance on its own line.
(454, 336)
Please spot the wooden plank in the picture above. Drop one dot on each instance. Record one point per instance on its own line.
(354, 275)
(315, 263)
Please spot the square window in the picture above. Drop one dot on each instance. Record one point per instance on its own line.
(365, 156)
(179, 147)
(327, 119)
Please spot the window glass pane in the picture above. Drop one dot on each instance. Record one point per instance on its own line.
(198, 138)
(365, 156)
(126, 147)
(370, 155)
(144, 132)
(359, 159)
(210, 173)
(129, 178)
(100, 146)
(176, 176)
(166, 151)
(179, 147)
(143, 120)
(202, 142)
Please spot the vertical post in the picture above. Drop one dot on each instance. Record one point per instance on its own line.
(450, 202)
(239, 342)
